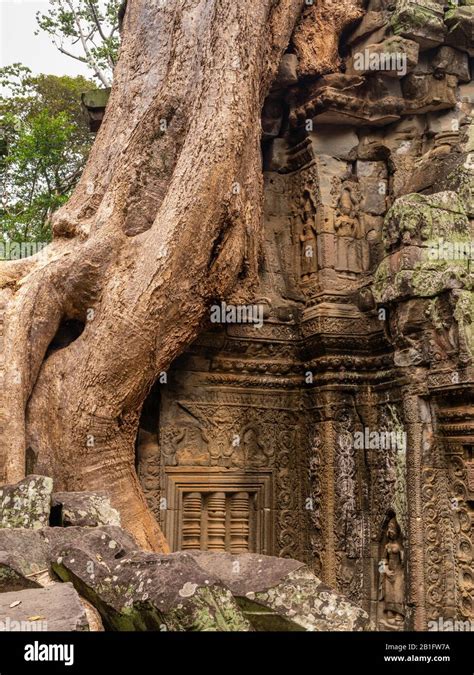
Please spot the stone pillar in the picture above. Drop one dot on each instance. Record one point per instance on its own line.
(416, 555)
(329, 444)
(192, 507)
(216, 517)
(239, 522)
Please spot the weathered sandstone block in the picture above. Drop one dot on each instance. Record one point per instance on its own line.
(56, 608)
(282, 594)
(83, 509)
(140, 591)
(26, 504)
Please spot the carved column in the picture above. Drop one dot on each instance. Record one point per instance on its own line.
(461, 490)
(192, 507)
(416, 560)
(216, 514)
(239, 522)
(329, 443)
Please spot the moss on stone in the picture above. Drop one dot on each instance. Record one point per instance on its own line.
(26, 504)
(210, 610)
(411, 16)
(424, 217)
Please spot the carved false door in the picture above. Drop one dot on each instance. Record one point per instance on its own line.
(212, 510)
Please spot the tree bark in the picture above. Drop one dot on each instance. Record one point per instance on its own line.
(165, 219)
(318, 33)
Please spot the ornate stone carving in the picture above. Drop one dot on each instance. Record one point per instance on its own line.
(305, 224)
(392, 576)
(429, 294)
(363, 330)
(347, 219)
(462, 504)
(432, 540)
(316, 497)
(256, 455)
(348, 517)
(191, 447)
(148, 469)
(388, 474)
(215, 510)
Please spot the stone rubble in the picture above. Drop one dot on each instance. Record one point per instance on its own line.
(109, 584)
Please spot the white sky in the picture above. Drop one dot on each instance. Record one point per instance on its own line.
(19, 44)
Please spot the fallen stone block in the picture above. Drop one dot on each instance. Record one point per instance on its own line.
(26, 504)
(56, 608)
(280, 594)
(29, 552)
(83, 509)
(12, 574)
(138, 591)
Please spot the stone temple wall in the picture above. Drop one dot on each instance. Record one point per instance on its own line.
(340, 432)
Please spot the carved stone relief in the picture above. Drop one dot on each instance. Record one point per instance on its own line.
(392, 576)
(363, 333)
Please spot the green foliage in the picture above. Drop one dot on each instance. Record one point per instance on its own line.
(45, 145)
(86, 30)
(44, 137)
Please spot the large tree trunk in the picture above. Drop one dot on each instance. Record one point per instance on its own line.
(166, 219)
